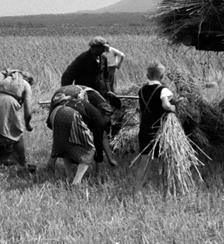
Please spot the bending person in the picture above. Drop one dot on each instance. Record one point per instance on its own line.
(78, 134)
(15, 93)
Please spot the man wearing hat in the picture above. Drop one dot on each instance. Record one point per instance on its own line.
(90, 68)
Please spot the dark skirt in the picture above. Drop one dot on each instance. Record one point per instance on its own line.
(71, 137)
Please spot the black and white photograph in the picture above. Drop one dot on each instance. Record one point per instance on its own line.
(112, 122)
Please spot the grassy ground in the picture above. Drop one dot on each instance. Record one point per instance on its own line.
(42, 210)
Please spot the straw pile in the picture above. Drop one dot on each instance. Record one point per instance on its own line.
(203, 122)
(126, 140)
(196, 23)
(177, 156)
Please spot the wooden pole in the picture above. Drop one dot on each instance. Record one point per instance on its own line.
(46, 102)
(127, 97)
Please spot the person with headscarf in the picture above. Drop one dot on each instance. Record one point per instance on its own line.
(79, 132)
(15, 94)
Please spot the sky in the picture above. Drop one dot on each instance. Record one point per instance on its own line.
(30, 7)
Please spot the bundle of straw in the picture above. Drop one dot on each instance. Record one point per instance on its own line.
(197, 23)
(177, 156)
(186, 88)
(126, 141)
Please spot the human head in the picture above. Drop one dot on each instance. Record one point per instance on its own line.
(28, 77)
(98, 45)
(155, 71)
(24, 74)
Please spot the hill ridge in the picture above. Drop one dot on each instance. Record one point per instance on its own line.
(130, 6)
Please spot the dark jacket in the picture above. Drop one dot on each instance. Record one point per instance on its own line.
(85, 70)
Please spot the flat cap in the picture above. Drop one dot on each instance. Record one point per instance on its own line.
(98, 41)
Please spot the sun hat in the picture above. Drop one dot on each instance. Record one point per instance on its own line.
(98, 41)
(25, 74)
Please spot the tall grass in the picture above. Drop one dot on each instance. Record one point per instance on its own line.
(42, 210)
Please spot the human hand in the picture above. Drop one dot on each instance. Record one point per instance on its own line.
(173, 108)
(181, 99)
(112, 162)
(29, 127)
(107, 47)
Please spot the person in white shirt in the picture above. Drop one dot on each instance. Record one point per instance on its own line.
(115, 58)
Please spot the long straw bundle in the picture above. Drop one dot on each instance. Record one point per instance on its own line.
(177, 156)
(193, 22)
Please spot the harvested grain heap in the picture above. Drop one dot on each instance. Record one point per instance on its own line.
(198, 23)
(202, 121)
(126, 140)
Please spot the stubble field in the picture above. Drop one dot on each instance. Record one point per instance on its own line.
(42, 210)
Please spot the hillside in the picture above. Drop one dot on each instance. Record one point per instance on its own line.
(131, 6)
(78, 24)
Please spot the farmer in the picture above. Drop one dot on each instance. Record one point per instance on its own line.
(154, 101)
(15, 93)
(90, 68)
(78, 134)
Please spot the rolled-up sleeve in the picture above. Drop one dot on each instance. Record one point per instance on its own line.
(165, 92)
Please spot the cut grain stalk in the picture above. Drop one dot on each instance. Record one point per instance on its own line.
(177, 156)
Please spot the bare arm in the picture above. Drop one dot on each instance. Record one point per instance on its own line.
(27, 106)
(167, 105)
(119, 56)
